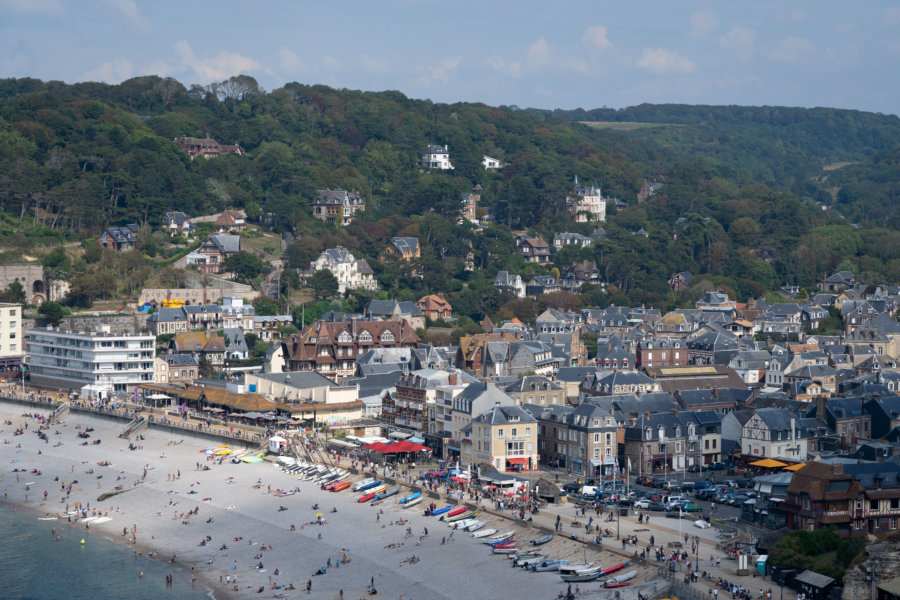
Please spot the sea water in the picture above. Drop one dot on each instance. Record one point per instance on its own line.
(32, 566)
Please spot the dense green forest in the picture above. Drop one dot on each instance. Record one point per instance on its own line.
(738, 204)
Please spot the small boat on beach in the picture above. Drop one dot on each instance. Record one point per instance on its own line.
(501, 536)
(369, 486)
(461, 524)
(386, 494)
(285, 494)
(546, 565)
(412, 502)
(620, 580)
(410, 497)
(484, 533)
(502, 542)
(572, 569)
(520, 558)
(542, 540)
(440, 511)
(508, 549)
(466, 515)
(341, 486)
(454, 512)
(580, 578)
(475, 526)
(613, 568)
(359, 484)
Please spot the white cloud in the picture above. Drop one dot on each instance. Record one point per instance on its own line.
(115, 71)
(290, 61)
(739, 40)
(441, 72)
(893, 15)
(792, 50)
(539, 52)
(215, 68)
(41, 7)
(131, 12)
(595, 37)
(703, 23)
(375, 66)
(663, 60)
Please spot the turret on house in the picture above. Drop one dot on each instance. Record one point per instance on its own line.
(587, 203)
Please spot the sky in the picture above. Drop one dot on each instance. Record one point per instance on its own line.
(528, 53)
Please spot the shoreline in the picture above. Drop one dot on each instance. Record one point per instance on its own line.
(237, 499)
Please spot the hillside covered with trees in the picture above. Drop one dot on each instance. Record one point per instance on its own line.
(738, 204)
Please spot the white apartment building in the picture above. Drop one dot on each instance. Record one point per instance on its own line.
(115, 363)
(12, 346)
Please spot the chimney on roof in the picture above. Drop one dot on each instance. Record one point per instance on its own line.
(451, 379)
(674, 410)
(715, 393)
(647, 414)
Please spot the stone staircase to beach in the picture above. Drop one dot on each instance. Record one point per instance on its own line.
(134, 427)
(61, 413)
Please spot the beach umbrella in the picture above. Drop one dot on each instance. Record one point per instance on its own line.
(319, 515)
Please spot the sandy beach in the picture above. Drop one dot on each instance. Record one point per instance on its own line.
(237, 501)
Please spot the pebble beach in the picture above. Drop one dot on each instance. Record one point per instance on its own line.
(171, 507)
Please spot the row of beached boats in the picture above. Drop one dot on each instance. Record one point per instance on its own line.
(463, 518)
(335, 480)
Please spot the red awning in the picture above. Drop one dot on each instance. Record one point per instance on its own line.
(459, 479)
(517, 461)
(397, 447)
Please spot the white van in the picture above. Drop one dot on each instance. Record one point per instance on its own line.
(668, 500)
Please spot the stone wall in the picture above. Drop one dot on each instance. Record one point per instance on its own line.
(37, 288)
(855, 585)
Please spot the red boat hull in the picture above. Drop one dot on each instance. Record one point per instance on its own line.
(610, 586)
(366, 498)
(613, 569)
(458, 511)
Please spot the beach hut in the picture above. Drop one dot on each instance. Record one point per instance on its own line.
(277, 444)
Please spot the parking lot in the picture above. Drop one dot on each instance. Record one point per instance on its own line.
(722, 499)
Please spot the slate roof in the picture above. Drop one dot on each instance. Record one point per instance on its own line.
(504, 415)
(226, 244)
(181, 360)
(406, 245)
(532, 383)
(574, 374)
(506, 279)
(300, 379)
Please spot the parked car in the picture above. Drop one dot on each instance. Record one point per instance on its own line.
(701, 485)
(716, 466)
(572, 488)
(643, 503)
(657, 506)
(694, 469)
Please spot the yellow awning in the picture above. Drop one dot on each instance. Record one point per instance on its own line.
(796, 467)
(770, 463)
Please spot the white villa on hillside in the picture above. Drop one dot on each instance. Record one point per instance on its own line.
(350, 273)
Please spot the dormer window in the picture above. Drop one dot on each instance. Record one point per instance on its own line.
(345, 338)
(677, 431)
(365, 336)
(387, 336)
(648, 434)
